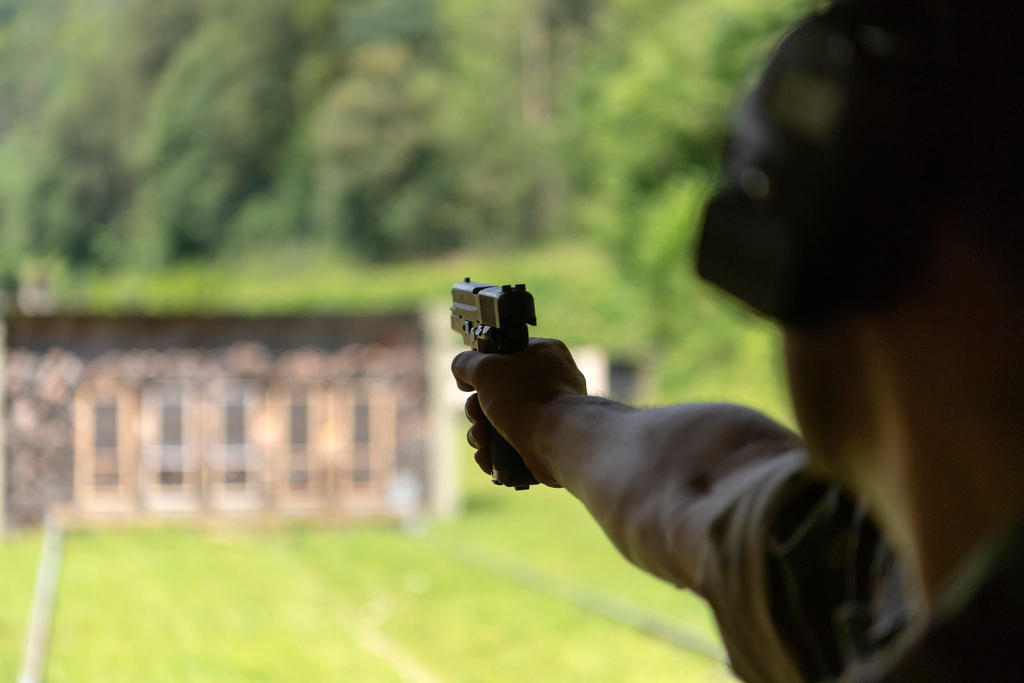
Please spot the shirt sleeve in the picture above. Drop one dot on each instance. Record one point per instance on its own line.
(733, 566)
(800, 579)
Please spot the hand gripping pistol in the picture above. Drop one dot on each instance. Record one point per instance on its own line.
(493, 319)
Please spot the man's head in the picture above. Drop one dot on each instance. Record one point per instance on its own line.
(870, 204)
(873, 122)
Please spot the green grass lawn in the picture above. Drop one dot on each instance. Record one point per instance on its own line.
(307, 603)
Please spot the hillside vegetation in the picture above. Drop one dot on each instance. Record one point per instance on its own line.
(138, 133)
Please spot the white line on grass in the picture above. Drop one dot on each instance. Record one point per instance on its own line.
(611, 607)
(37, 638)
(407, 668)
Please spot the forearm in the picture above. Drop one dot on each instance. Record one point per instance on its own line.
(650, 477)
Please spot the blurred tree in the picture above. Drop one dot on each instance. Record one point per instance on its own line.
(379, 186)
(648, 119)
(134, 132)
(73, 109)
(643, 134)
(214, 133)
(72, 112)
(410, 22)
(500, 92)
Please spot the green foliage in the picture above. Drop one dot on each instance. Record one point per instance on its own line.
(649, 115)
(143, 133)
(217, 122)
(380, 199)
(646, 125)
(412, 22)
(74, 104)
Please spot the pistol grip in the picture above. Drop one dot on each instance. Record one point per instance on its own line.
(507, 466)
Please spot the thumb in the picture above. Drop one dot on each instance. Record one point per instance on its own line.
(464, 369)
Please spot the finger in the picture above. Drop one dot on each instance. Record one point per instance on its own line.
(464, 368)
(473, 410)
(483, 460)
(477, 435)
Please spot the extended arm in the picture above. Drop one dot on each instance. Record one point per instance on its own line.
(686, 492)
(653, 479)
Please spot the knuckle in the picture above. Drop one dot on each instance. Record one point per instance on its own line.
(458, 362)
(553, 346)
(581, 382)
(486, 364)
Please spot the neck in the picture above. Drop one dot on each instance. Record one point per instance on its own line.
(945, 471)
(949, 482)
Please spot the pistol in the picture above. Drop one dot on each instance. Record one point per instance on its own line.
(493, 319)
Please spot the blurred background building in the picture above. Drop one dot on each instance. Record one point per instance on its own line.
(132, 416)
(122, 417)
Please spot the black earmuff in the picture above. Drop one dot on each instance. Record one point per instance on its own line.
(826, 172)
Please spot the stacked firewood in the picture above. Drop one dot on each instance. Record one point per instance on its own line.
(39, 390)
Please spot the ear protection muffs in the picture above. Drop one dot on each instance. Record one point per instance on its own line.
(832, 162)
